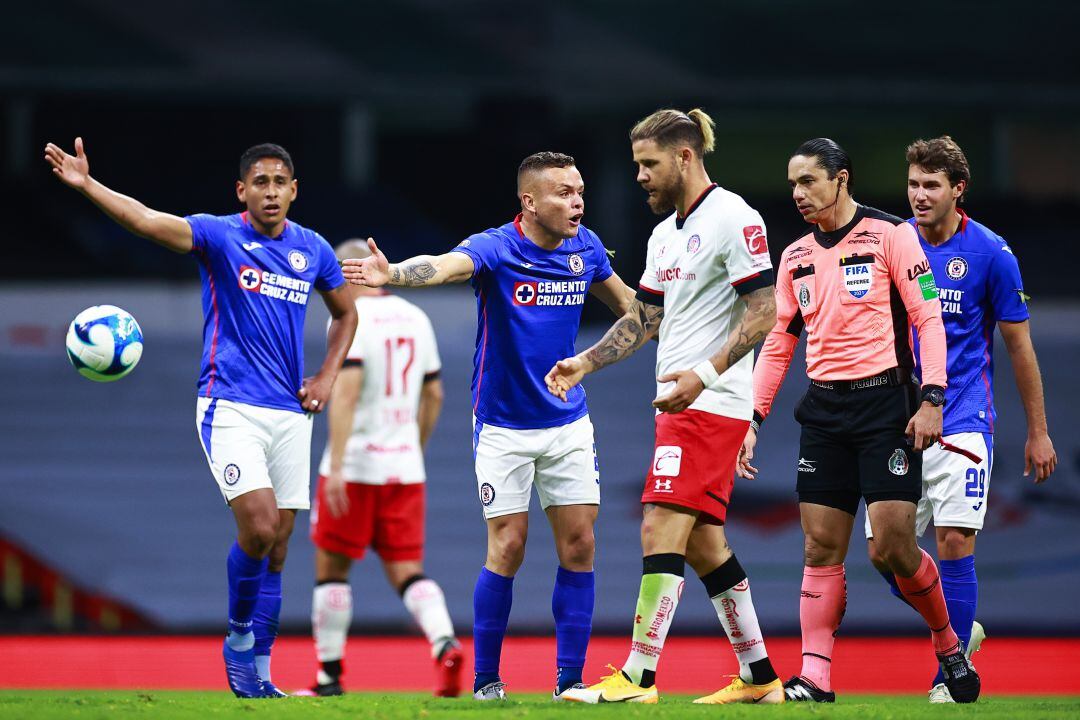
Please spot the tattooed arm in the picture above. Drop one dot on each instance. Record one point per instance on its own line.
(628, 333)
(419, 271)
(759, 318)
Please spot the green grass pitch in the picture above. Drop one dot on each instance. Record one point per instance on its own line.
(90, 705)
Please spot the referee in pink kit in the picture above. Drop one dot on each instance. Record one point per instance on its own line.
(857, 283)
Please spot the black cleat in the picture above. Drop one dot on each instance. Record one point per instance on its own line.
(960, 676)
(329, 689)
(799, 689)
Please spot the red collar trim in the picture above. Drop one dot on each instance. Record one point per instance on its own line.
(517, 225)
(963, 220)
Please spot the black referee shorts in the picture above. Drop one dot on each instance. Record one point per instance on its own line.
(853, 446)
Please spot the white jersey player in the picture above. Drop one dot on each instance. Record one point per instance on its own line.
(371, 479)
(709, 279)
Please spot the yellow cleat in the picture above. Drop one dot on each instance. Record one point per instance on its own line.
(613, 688)
(743, 692)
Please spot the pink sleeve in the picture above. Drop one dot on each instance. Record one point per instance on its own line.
(910, 273)
(775, 357)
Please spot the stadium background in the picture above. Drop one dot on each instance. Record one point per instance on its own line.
(406, 121)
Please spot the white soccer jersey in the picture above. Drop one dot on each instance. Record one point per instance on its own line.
(697, 267)
(395, 344)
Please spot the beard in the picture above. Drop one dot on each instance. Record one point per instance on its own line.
(663, 201)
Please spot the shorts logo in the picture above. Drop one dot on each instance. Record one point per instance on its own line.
(232, 474)
(804, 296)
(807, 466)
(487, 494)
(250, 278)
(693, 244)
(524, 293)
(898, 462)
(576, 264)
(666, 463)
(298, 260)
(858, 279)
(956, 268)
(755, 239)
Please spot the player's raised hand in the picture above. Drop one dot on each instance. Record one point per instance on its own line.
(1039, 453)
(315, 392)
(373, 271)
(565, 375)
(687, 387)
(743, 468)
(335, 495)
(73, 171)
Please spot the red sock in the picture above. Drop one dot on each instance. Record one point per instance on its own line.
(923, 591)
(824, 599)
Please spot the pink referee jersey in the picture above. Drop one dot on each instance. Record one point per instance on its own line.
(857, 291)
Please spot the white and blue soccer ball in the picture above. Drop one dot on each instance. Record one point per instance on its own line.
(104, 343)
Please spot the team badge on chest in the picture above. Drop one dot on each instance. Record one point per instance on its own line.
(298, 260)
(576, 264)
(956, 268)
(693, 244)
(858, 278)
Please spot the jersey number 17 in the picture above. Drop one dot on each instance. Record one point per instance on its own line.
(399, 349)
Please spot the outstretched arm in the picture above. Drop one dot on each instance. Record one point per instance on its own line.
(759, 318)
(419, 271)
(1038, 450)
(74, 171)
(624, 337)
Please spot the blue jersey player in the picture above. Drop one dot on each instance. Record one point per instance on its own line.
(254, 408)
(979, 283)
(530, 277)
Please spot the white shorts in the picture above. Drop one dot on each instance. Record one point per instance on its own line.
(250, 447)
(956, 482)
(560, 461)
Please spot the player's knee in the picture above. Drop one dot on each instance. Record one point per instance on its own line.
(876, 558)
(506, 552)
(822, 550)
(955, 543)
(578, 548)
(260, 535)
(899, 554)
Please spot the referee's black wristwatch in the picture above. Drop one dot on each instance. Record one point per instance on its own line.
(933, 394)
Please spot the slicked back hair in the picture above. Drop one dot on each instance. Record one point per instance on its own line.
(670, 127)
(264, 150)
(830, 157)
(542, 161)
(941, 154)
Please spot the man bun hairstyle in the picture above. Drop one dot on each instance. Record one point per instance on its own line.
(830, 157)
(669, 127)
(542, 161)
(256, 153)
(941, 154)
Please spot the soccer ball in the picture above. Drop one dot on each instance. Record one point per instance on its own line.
(104, 343)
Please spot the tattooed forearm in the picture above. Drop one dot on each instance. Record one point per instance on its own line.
(756, 322)
(416, 272)
(627, 334)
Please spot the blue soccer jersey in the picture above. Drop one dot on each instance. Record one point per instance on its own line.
(979, 284)
(528, 303)
(255, 295)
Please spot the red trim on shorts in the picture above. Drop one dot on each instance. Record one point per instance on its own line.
(960, 451)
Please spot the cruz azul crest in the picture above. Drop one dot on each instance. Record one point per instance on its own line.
(576, 264)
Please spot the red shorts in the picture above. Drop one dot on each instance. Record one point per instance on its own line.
(694, 462)
(388, 518)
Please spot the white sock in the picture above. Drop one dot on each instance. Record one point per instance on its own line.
(425, 601)
(262, 665)
(657, 600)
(241, 642)
(735, 608)
(331, 613)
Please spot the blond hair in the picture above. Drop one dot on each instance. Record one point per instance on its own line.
(669, 127)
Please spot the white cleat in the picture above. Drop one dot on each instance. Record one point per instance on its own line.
(492, 691)
(940, 695)
(978, 634)
(575, 688)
